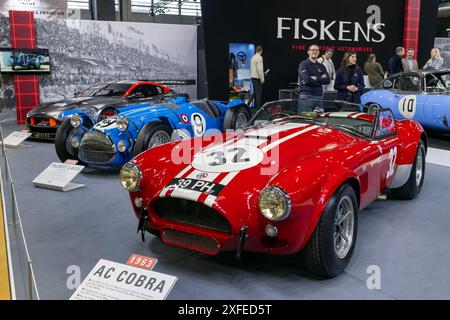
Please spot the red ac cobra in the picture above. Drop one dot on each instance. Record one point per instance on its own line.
(292, 182)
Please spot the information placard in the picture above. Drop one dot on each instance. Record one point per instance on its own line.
(114, 281)
(15, 139)
(59, 176)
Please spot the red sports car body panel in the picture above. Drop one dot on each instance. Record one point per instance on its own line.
(309, 162)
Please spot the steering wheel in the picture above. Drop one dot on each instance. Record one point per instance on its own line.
(241, 56)
(279, 115)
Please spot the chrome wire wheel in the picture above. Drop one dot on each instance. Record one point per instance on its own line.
(344, 225)
(419, 167)
(158, 138)
(241, 121)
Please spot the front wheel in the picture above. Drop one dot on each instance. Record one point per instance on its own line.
(152, 135)
(413, 186)
(36, 64)
(236, 118)
(331, 245)
(63, 142)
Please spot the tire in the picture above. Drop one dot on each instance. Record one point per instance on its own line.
(320, 256)
(37, 64)
(413, 186)
(234, 118)
(147, 133)
(62, 134)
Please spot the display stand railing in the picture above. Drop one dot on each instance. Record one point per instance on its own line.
(16, 223)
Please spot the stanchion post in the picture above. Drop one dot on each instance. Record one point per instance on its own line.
(3, 145)
(13, 203)
(30, 280)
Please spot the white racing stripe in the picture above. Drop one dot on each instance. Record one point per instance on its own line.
(179, 175)
(211, 199)
(258, 137)
(340, 114)
(289, 137)
(357, 115)
(274, 129)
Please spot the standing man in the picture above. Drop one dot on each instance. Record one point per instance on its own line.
(257, 75)
(409, 63)
(395, 62)
(328, 63)
(311, 77)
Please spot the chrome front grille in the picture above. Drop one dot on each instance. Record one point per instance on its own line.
(96, 147)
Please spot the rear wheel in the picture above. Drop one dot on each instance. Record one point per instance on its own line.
(413, 186)
(152, 135)
(331, 246)
(236, 118)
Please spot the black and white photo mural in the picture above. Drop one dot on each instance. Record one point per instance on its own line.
(87, 52)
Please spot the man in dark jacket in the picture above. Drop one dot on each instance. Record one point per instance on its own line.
(312, 75)
(395, 62)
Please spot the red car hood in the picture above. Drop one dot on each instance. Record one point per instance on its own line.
(289, 155)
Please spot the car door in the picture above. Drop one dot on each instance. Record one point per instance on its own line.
(437, 102)
(385, 136)
(408, 102)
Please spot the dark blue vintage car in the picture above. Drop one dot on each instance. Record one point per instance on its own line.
(116, 140)
(26, 61)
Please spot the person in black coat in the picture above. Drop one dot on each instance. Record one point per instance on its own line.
(395, 62)
(349, 80)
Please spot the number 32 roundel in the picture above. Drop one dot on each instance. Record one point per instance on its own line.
(407, 106)
(228, 158)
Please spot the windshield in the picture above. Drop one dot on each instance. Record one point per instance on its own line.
(339, 114)
(112, 90)
(90, 91)
(437, 82)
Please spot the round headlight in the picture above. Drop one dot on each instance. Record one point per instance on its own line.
(130, 177)
(76, 121)
(75, 142)
(274, 203)
(122, 146)
(122, 123)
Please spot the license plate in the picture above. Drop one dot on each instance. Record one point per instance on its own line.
(43, 135)
(196, 185)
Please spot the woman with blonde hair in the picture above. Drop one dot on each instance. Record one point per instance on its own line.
(435, 62)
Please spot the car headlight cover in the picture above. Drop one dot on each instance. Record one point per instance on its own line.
(76, 121)
(274, 203)
(122, 123)
(130, 177)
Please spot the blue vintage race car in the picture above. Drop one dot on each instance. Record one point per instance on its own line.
(116, 140)
(26, 61)
(423, 96)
